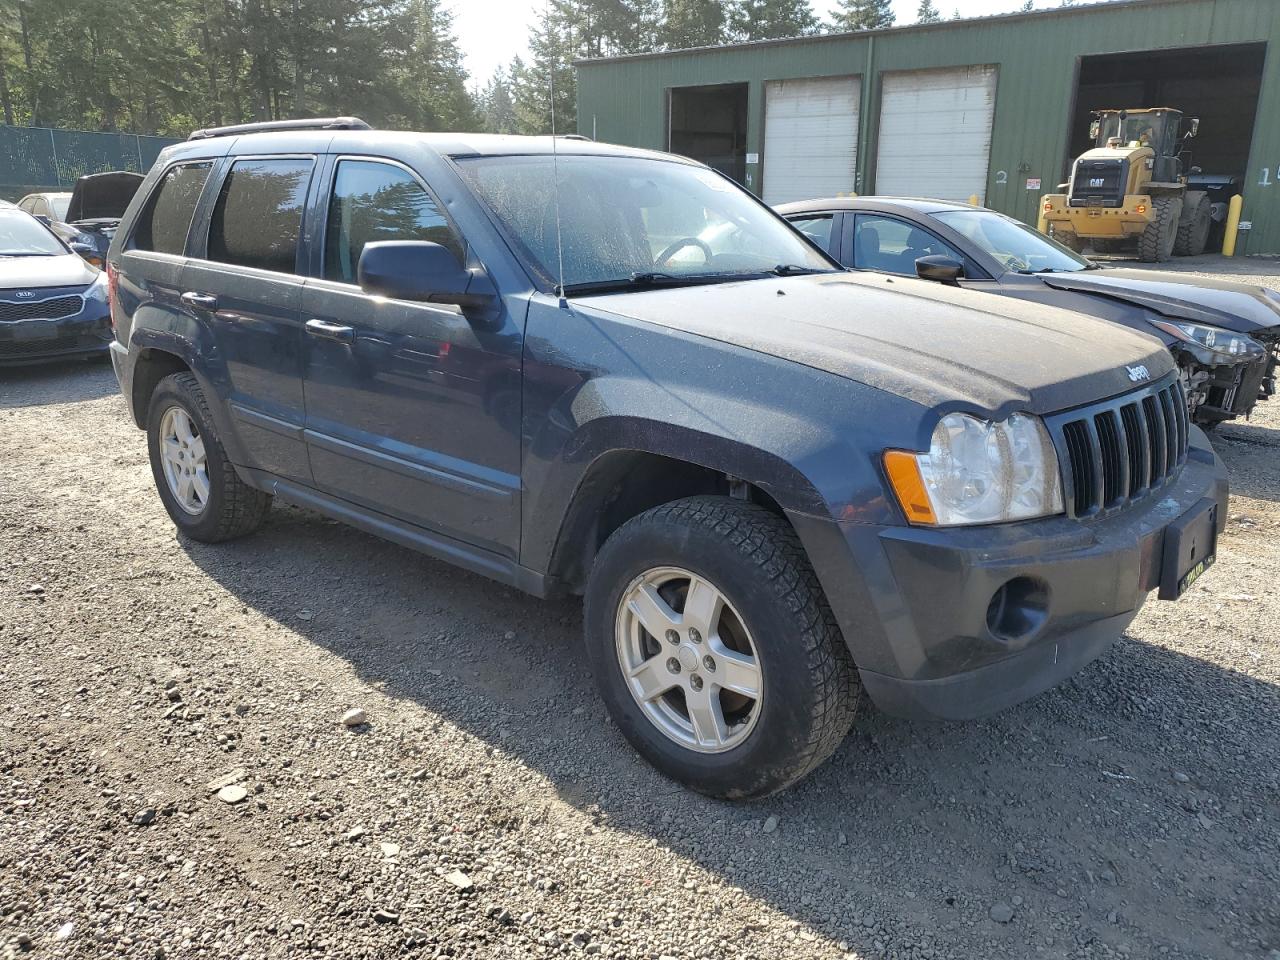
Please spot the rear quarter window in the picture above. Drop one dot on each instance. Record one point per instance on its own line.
(258, 217)
(166, 218)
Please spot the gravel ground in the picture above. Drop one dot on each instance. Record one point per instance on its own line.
(176, 779)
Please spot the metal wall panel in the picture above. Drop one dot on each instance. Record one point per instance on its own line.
(810, 138)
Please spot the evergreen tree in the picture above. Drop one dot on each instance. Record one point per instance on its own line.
(434, 77)
(691, 23)
(771, 19)
(497, 109)
(1027, 7)
(928, 13)
(864, 14)
(552, 51)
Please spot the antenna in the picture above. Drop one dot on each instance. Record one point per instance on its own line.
(555, 176)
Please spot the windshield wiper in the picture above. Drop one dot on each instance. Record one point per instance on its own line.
(795, 270)
(648, 280)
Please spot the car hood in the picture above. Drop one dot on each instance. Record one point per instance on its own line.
(1239, 307)
(102, 195)
(936, 345)
(27, 273)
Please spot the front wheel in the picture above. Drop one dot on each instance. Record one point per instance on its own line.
(205, 497)
(714, 649)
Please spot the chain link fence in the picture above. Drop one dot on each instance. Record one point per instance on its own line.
(36, 159)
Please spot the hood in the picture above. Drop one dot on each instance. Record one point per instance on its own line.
(931, 344)
(102, 195)
(1239, 307)
(29, 273)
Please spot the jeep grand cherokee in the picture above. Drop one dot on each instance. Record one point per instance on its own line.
(777, 484)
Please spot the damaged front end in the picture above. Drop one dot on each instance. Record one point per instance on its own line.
(1223, 384)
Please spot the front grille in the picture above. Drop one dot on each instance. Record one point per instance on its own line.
(55, 308)
(1118, 451)
(36, 348)
(1098, 183)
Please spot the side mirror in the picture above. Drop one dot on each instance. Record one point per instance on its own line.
(939, 269)
(1195, 127)
(421, 270)
(1094, 129)
(85, 250)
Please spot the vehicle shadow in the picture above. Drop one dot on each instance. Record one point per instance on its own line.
(67, 381)
(1065, 808)
(1251, 452)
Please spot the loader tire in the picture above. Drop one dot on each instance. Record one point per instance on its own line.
(1193, 229)
(1155, 245)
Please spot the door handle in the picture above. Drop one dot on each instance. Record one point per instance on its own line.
(201, 301)
(331, 331)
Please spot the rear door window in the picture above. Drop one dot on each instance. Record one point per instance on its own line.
(166, 218)
(378, 201)
(258, 217)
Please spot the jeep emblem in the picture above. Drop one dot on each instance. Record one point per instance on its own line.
(1140, 372)
(25, 294)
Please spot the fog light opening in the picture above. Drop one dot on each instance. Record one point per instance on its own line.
(1018, 609)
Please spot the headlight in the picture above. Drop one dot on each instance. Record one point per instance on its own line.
(977, 471)
(1212, 338)
(98, 289)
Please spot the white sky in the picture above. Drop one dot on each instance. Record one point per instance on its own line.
(493, 31)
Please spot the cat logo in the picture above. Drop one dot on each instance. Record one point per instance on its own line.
(1138, 373)
(1096, 181)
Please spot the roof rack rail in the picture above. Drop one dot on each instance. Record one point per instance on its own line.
(573, 136)
(270, 126)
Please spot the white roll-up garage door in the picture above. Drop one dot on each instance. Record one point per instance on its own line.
(935, 132)
(810, 138)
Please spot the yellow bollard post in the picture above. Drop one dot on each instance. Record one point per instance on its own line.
(1232, 225)
(973, 200)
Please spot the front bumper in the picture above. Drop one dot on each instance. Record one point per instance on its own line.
(82, 334)
(1128, 219)
(957, 623)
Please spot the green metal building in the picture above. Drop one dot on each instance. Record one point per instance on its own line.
(995, 107)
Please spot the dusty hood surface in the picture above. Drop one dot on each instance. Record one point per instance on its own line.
(31, 273)
(920, 340)
(102, 195)
(1241, 307)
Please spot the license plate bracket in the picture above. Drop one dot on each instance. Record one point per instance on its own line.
(1190, 548)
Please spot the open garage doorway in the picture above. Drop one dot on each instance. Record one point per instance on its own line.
(1218, 84)
(709, 124)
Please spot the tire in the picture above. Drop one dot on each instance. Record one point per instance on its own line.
(1193, 229)
(774, 615)
(1106, 247)
(1155, 245)
(1069, 240)
(229, 507)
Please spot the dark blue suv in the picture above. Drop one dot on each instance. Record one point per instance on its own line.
(578, 368)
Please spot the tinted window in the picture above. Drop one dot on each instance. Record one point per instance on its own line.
(165, 220)
(259, 214)
(893, 246)
(376, 201)
(816, 228)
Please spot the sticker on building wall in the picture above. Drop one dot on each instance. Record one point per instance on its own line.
(753, 158)
(1033, 183)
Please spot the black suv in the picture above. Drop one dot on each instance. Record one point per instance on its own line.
(580, 368)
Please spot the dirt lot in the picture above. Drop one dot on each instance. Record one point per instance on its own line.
(489, 809)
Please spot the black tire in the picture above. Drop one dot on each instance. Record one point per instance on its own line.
(1193, 230)
(1106, 247)
(1069, 240)
(1155, 245)
(810, 690)
(233, 508)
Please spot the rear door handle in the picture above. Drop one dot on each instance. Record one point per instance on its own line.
(201, 301)
(331, 331)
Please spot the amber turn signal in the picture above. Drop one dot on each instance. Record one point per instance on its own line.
(904, 476)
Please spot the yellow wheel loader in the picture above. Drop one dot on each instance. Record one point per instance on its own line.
(1130, 190)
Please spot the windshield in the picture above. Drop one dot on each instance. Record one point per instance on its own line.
(631, 218)
(60, 203)
(1014, 244)
(1146, 129)
(23, 236)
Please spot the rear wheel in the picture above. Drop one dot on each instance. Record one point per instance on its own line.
(205, 497)
(1193, 230)
(1069, 240)
(714, 649)
(1155, 245)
